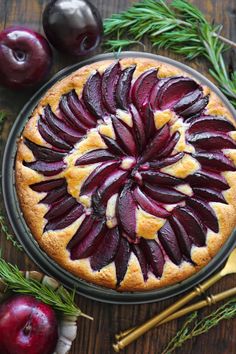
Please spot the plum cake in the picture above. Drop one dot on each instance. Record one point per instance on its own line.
(125, 174)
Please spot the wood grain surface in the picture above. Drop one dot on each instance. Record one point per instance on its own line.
(96, 337)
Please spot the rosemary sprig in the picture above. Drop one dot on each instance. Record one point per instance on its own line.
(190, 329)
(61, 299)
(179, 27)
(9, 236)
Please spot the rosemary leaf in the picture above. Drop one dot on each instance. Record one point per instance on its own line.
(179, 27)
(61, 299)
(190, 329)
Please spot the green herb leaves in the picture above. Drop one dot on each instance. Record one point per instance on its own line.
(179, 27)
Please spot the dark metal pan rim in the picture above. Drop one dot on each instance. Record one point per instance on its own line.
(32, 248)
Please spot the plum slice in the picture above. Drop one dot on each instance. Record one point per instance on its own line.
(46, 168)
(195, 109)
(173, 90)
(92, 95)
(209, 194)
(138, 128)
(166, 161)
(47, 186)
(153, 98)
(156, 144)
(192, 224)
(187, 101)
(82, 231)
(123, 87)
(164, 194)
(109, 82)
(214, 161)
(89, 244)
(106, 250)
(158, 177)
(94, 156)
(44, 154)
(52, 138)
(127, 212)
(149, 205)
(205, 212)
(124, 136)
(60, 207)
(212, 141)
(60, 128)
(96, 178)
(78, 108)
(210, 123)
(154, 256)
(184, 241)
(167, 150)
(122, 259)
(167, 237)
(150, 128)
(61, 223)
(207, 179)
(113, 146)
(143, 87)
(70, 116)
(55, 194)
(141, 259)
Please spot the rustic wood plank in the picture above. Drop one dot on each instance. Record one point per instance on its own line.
(96, 337)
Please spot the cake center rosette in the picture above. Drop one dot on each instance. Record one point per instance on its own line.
(139, 161)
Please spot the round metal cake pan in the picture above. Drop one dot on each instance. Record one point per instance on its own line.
(32, 248)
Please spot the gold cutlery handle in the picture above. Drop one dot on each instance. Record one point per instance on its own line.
(140, 330)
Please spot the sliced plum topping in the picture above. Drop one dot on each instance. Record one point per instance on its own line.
(167, 150)
(210, 123)
(122, 259)
(166, 161)
(127, 212)
(205, 212)
(113, 146)
(70, 116)
(187, 101)
(88, 245)
(46, 168)
(215, 161)
(143, 87)
(149, 205)
(60, 128)
(123, 87)
(47, 186)
(60, 207)
(164, 194)
(156, 144)
(139, 131)
(141, 259)
(106, 250)
(96, 178)
(78, 108)
(154, 256)
(209, 194)
(55, 194)
(184, 241)
(94, 156)
(167, 237)
(173, 90)
(154, 95)
(109, 82)
(61, 223)
(212, 141)
(192, 225)
(195, 109)
(207, 179)
(82, 231)
(44, 154)
(92, 95)
(50, 137)
(124, 136)
(157, 177)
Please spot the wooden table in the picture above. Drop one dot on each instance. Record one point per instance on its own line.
(96, 337)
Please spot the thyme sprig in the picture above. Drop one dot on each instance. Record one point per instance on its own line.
(9, 236)
(193, 327)
(61, 299)
(179, 27)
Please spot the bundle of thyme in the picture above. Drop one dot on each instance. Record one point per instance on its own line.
(179, 27)
(193, 327)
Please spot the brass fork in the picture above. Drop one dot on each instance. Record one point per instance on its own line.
(132, 334)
